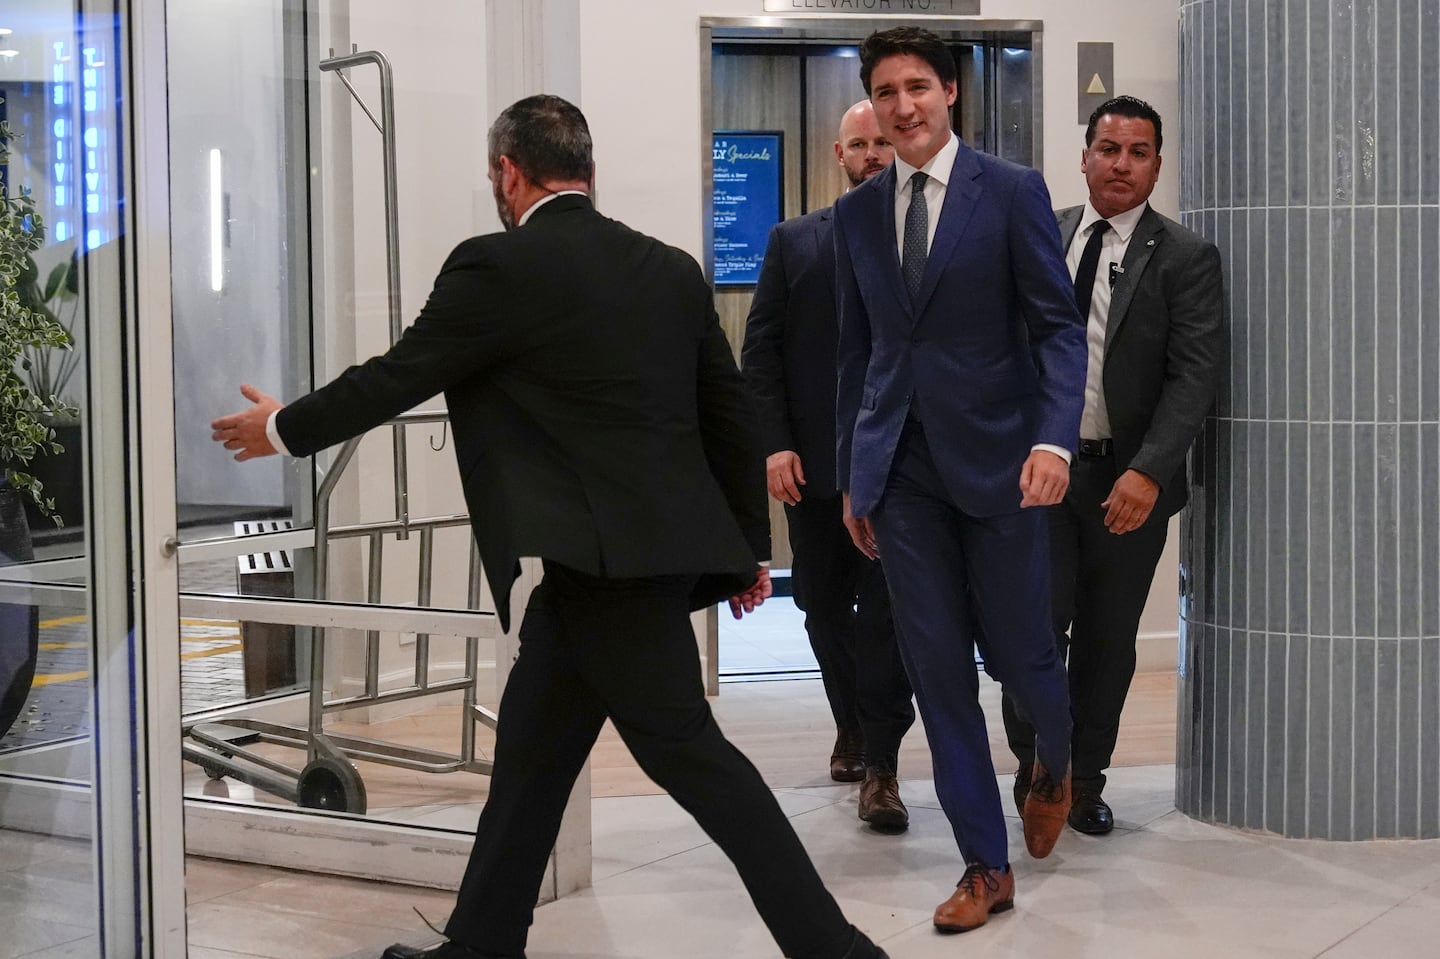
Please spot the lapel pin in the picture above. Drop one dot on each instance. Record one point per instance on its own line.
(1150, 242)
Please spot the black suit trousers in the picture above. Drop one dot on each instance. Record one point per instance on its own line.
(593, 648)
(1101, 582)
(847, 618)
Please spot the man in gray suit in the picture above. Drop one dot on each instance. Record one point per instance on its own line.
(1153, 295)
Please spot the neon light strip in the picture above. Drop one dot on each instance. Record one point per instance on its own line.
(217, 224)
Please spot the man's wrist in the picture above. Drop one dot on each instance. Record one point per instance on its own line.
(272, 433)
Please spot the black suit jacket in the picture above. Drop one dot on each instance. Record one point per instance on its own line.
(791, 336)
(599, 418)
(1164, 338)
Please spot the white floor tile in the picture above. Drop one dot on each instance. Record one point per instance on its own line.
(1160, 885)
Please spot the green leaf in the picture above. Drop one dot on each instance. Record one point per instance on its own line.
(55, 279)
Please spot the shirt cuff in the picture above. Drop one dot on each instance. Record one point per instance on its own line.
(273, 435)
(1059, 451)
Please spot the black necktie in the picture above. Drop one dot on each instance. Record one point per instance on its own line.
(917, 236)
(1085, 274)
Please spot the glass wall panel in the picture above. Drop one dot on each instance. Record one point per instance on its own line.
(75, 712)
(301, 574)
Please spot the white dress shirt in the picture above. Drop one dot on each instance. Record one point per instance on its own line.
(1095, 420)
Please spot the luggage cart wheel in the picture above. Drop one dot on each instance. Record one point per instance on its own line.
(332, 784)
(212, 771)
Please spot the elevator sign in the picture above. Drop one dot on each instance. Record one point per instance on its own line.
(922, 8)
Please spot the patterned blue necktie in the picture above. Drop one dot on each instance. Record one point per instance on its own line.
(917, 231)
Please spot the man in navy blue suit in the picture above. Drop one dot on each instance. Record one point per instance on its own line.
(961, 380)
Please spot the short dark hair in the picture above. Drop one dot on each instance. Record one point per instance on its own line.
(898, 41)
(1125, 106)
(546, 137)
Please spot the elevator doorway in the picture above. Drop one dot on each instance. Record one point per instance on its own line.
(783, 84)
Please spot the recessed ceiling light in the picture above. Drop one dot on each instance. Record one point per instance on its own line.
(5, 31)
(9, 53)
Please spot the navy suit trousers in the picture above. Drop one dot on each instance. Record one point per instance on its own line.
(957, 580)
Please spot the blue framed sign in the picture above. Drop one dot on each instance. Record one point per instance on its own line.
(748, 199)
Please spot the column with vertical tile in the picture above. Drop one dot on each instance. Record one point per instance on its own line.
(1310, 609)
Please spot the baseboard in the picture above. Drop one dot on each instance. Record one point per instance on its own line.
(1156, 652)
(49, 807)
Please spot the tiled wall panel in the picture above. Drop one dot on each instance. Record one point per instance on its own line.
(1310, 656)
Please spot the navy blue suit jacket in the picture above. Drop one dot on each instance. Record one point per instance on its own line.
(992, 355)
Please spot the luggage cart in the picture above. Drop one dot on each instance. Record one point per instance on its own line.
(329, 780)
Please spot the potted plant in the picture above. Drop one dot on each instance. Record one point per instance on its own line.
(25, 430)
(56, 467)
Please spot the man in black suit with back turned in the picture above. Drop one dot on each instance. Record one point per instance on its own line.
(789, 361)
(600, 424)
(1153, 295)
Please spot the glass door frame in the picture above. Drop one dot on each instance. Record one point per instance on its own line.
(133, 558)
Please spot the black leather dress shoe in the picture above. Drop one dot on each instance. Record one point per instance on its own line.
(445, 949)
(1089, 813)
(1021, 788)
(864, 948)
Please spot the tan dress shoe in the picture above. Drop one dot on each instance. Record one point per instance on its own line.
(880, 803)
(1046, 808)
(980, 892)
(847, 759)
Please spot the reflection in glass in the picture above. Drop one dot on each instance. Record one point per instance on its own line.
(1015, 104)
(59, 91)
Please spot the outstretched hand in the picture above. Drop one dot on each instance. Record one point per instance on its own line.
(759, 591)
(245, 431)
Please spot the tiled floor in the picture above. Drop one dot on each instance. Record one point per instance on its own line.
(1162, 884)
(770, 641)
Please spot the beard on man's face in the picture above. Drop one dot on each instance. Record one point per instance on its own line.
(869, 170)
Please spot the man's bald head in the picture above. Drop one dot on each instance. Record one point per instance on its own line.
(861, 148)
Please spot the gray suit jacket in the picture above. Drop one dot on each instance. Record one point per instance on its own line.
(1164, 339)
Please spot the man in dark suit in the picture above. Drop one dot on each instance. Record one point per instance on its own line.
(1153, 295)
(789, 362)
(962, 364)
(600, 423)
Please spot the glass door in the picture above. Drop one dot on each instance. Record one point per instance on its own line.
(87, 732)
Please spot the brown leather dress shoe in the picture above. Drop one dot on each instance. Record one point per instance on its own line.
(1089, 813)
(880, 803)
(980, 892)
(847, 759)
(1046, 807)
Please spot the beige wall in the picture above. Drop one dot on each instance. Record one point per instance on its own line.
(640, 88)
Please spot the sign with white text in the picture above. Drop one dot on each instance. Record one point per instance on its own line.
(748, 199)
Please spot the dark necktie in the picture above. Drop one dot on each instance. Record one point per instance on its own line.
(1085, 273)
(917, 235)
